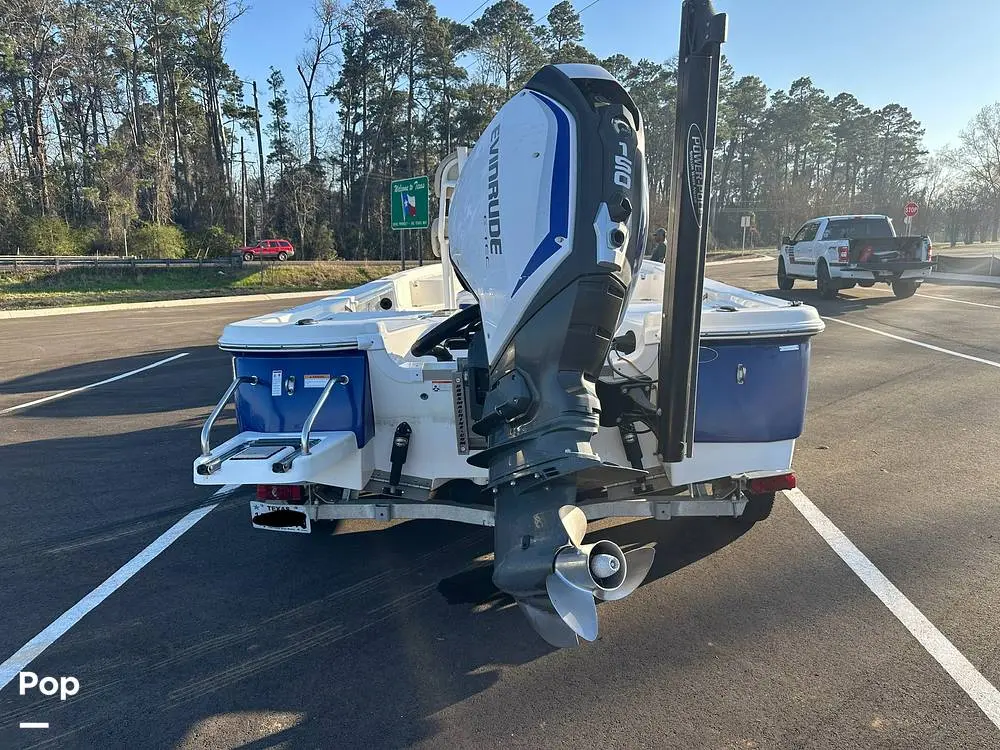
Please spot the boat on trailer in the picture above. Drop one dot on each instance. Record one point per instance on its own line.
(543, 374)
(753, 365)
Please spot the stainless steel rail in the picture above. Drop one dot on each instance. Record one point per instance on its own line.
(308, 423)
(206, 429)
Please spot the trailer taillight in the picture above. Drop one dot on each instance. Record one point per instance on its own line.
(285, 493)
(763, 485)
(842, 253)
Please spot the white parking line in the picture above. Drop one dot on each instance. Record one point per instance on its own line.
(933, 348)
(959, 301)
(981, 690)
(63, 394)
(33, 648)
(758, 259)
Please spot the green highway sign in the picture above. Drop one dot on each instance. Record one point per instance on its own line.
(409, 201)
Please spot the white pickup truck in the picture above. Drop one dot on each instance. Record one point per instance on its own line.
(839, 252)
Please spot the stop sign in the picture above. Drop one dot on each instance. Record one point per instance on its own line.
(910, 209)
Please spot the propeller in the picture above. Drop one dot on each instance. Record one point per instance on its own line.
(582, 573)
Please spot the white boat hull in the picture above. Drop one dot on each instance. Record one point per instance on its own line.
(377, 323)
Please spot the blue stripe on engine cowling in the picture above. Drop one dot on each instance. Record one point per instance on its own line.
(558, 196)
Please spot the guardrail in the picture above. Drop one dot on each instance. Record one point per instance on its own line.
(63, 261)
(67, 261)
(988, 265)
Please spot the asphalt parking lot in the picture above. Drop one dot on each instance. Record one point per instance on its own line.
(367, 636)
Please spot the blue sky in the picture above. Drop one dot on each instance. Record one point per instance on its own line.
(939, 58)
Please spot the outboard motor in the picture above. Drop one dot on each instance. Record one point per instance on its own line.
(547, 229)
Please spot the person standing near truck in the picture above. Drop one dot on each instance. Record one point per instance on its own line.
(659, 252)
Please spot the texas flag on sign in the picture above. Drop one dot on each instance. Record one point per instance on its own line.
(409, 205)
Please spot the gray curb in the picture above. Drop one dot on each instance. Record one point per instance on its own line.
(46, 311)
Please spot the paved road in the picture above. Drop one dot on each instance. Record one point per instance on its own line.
(389, 637)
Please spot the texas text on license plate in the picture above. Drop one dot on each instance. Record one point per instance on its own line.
(277, 517)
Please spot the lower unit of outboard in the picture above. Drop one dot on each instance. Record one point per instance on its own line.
(547, 229)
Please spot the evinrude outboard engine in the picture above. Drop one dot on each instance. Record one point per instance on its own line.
(547, 229)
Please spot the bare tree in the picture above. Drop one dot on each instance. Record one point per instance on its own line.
(313, 61)
(980, 155)
(34, 29)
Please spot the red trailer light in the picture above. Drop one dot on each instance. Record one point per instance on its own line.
(930, 251)
(764, 485)
(285, 493)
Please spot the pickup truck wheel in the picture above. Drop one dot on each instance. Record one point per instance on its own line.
(785, 282)
(904, 288)
(248, 256)
(282, 255)
(824, 284)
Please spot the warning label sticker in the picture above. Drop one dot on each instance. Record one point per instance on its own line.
(315, 381)
(275, 382)
(440, 385)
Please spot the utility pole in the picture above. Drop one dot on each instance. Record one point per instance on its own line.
(243, 188)
(260, 157)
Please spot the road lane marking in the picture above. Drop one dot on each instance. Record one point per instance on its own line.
(64, 394)
(34, 648)
(758, 259)
(959, 301)
(33, 725)
(981, 690)
(933, 348)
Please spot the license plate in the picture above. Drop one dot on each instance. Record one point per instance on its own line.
(277, 517)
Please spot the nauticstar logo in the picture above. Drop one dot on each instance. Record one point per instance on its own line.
(493, 193)
(696, 169)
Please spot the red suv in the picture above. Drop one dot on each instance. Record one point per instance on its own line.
(280, 249)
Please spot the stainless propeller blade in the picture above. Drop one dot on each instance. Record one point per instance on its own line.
(576, 606)
(637, 564)
(547, 622)
(574, 521)
(581, 574)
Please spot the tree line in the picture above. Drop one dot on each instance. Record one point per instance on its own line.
(123, 128)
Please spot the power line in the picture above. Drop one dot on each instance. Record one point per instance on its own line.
(476, 10)
(485, 2)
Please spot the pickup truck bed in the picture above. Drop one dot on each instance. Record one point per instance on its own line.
(878, 250)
